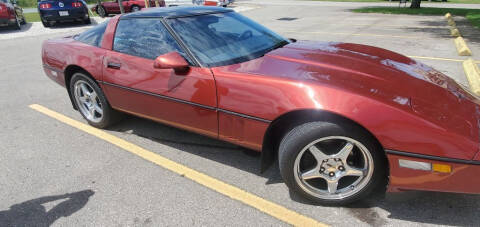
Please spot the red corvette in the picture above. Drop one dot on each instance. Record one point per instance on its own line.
(343, 119)
(112, 7)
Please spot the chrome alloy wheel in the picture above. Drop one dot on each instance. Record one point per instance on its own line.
(333, 167)
(88, 101)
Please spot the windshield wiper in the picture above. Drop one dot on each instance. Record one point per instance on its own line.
(276, 46)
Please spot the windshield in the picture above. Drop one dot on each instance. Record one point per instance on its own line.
(225, 38)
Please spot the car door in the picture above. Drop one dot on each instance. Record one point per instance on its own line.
(186, 100)
(111, 6)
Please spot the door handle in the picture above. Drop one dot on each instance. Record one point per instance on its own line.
(114, 65)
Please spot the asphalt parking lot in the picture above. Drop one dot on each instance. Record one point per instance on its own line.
(52, 173)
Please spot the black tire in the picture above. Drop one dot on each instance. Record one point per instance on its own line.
(102, 12)
(87, 21)
(110, 116)
(300, 137)
(45, 24)
(135, 8)
(24, 21)
(17, 25)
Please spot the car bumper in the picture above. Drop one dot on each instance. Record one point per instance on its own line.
(462, 177)
(73, 14)
(55, 74)
(6, 22)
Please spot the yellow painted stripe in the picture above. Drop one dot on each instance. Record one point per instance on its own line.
(270, 208)
(473, 75)
(435, 58)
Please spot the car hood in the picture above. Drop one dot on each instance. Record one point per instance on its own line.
(378, 74)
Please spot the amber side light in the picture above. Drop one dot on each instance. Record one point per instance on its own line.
(441, 168)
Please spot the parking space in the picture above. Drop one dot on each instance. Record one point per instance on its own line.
(55, 173)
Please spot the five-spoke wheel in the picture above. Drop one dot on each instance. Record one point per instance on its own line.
(333, 167)
(88, 102)
(331, 163)
(91, 102)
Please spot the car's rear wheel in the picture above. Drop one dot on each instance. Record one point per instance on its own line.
(91, 101)
(135, 8)
(101, 11)
(87, 21)
(17, 24)
(45, 24)
(331, 163)
(24, 21)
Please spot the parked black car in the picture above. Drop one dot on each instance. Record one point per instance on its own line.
(11, 14)
(63, 10)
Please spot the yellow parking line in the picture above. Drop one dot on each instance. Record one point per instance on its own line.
(270, 208)
(439, 59)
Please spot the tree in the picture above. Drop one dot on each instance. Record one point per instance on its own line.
(415, 4)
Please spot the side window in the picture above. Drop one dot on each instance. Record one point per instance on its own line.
(93, 36)
(144, 37)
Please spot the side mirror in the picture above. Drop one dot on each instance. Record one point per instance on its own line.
(14, 2)
(172, 60)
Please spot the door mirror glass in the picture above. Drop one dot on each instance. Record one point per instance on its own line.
(172, 60)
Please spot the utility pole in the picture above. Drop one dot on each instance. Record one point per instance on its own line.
(120, 4)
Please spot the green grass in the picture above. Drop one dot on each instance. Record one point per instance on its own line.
(473, 15)
(32, 17)
(35, 17)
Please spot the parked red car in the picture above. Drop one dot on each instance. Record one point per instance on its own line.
(112, 7)
(343, 119)
(11, 14)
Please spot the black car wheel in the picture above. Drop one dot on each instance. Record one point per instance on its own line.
(331, 163)
(101, 12)
(17, 24)
(135, 8)
(87, 21)
(46, 24)
(24, 21)
(91, 101)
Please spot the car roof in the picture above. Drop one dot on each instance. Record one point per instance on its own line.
(176, 11)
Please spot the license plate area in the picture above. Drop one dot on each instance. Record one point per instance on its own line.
(63, 13)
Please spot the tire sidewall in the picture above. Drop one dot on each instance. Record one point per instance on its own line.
(107, 111)
(101, 9)
(135, 7)
(299, 137)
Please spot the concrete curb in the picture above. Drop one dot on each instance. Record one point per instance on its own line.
(473, 75)
(454, 32)
(462, 47)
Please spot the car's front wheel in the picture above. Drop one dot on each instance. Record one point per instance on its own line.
(331, 163)
(91, 102)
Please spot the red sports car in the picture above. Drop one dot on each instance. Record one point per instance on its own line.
(343, 119)
(112, 7)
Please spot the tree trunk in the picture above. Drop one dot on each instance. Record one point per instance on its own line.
(120, 4)
(415, 4)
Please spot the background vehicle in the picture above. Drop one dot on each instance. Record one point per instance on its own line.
(344, 119)
(112, 7)
(223, 3)
(63, 10)
(11, 14)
